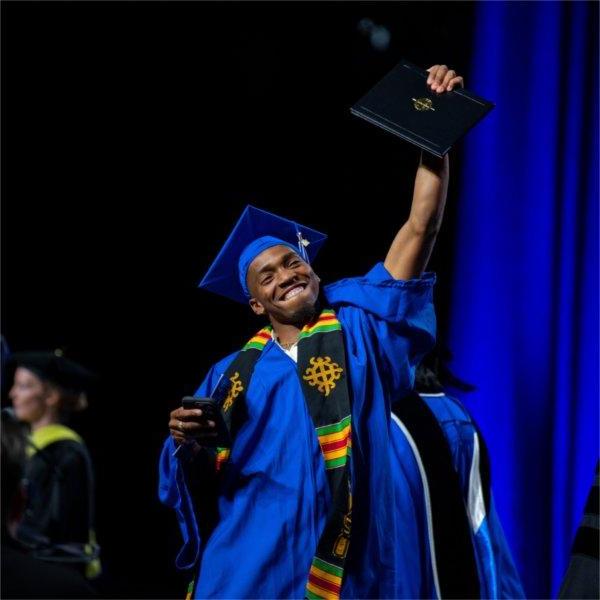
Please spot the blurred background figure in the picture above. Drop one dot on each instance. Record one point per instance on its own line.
(58, 523)
(23, 576)
(464, 551)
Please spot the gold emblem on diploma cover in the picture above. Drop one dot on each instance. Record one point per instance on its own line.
(423, 104)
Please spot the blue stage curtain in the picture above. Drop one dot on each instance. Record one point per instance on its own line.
(524, 308)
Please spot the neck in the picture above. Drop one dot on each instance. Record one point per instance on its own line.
(286, 334)
(47, 419)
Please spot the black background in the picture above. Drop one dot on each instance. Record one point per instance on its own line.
(133, 136)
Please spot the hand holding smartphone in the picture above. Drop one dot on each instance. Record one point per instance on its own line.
(210, 412)
(214, 435)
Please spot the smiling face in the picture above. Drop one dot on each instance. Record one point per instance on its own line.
(283, 286)
(29, 396)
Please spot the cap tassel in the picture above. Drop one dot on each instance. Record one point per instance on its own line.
(302, 244)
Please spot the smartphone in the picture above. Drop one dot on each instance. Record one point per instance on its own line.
(211, 412)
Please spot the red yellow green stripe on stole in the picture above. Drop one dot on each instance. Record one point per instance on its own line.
(260, 340)
(327, 321)
(221, 457)
(336, 442)
(324, 580)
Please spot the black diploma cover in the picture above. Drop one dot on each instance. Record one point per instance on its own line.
(403, 104)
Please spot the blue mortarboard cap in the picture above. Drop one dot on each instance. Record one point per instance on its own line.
(256, 231)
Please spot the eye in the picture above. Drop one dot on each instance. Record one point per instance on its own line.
(294, 263)
(266, 280)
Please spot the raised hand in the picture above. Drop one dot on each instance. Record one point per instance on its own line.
(441, 79)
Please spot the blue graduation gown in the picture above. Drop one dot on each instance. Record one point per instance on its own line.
(274, 509)
(498, 577)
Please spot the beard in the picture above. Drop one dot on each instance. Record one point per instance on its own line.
(304, 314)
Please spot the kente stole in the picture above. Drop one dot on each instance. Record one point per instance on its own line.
(323, 377)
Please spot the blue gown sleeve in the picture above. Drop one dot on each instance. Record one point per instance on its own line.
(173, 492)
(397, 316)
(173, 489)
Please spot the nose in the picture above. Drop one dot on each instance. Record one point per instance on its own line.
(287, 277)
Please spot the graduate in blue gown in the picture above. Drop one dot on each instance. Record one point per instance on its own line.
(304, 504)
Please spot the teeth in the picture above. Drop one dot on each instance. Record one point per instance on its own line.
(293, 293)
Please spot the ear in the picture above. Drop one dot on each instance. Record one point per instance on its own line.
(257, 307)
(52, 398)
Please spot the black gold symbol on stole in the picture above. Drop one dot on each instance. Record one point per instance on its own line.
(234, 391)
(421, 104)
(323, 374)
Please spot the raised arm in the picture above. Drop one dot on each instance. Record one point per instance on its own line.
(410, 251)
